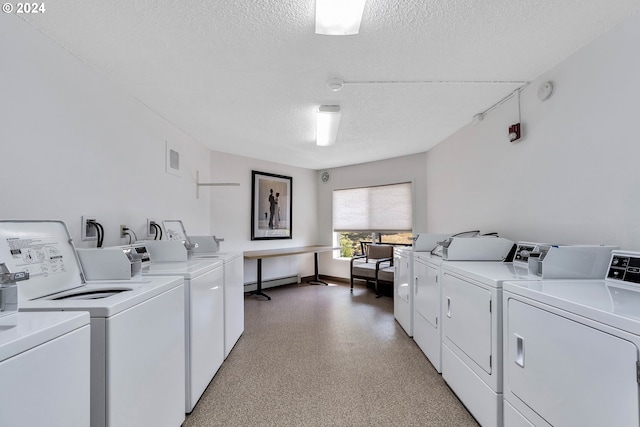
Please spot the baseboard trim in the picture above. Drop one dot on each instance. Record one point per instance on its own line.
(270, 283)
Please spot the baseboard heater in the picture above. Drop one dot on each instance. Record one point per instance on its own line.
(270, 283)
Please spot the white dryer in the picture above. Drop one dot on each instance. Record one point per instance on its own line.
(427, 275)
(472, 320)
(137, 327)
(571, 349)
(403, 289)
(427, 314)
(42, 354)
(204, 309)
(405, 279)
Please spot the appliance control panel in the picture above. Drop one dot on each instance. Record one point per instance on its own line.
(625, 267)
(523, 251)
(143, 253)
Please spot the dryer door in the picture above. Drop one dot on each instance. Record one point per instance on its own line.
(569, 373)
(402, 278)
(467, 319)
(427, 292)
(427, 311)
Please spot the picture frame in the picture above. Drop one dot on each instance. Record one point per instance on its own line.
(271, 206)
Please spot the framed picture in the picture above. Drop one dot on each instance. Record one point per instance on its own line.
(271, 206)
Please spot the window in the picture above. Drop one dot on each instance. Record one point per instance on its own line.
(386, 210)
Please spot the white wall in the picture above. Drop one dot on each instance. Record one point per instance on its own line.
(574, 176)
(74, 144)
(231, 213)
(391, 171)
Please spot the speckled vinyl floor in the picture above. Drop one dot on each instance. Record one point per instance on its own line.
(321, 356)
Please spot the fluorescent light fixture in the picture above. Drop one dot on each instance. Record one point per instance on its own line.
(338, 17)
(327, 127)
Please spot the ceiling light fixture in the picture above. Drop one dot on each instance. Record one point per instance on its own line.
(328, 121)
(338, 17)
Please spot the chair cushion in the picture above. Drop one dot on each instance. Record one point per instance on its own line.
(365, 269)
(386, 274)
(368, 269)
(379, 251)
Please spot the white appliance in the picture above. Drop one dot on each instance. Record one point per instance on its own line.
(137, 327)
(233, 267)
(427, 268)
(207, 247)
(204, 247)
(571, 349)
(403, 299)
(403, 289)
(472, 321)
(44, 369)
(427, 328)
(204, 309)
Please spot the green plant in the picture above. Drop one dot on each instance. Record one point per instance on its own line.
(347, 246)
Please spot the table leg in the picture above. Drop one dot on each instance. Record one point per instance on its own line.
(316, 280)
(258, 290)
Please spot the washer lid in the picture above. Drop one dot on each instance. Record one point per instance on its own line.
(188, 270)
(23, 331)
(46, 251)
(141, 291)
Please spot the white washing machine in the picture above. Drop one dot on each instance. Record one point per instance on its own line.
(137, 327)
(233, 266)
(204, 309)
(571, 349)
(472, 320)
(44, 369)
(403, 289)
(208, 247)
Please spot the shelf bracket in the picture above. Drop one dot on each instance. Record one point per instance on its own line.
(211, 184)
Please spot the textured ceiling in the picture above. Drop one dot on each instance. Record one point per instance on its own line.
(245, 76)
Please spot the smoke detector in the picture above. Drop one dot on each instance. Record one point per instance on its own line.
(545, 90)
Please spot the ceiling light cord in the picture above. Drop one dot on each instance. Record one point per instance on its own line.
(519, 112)
(503, 100)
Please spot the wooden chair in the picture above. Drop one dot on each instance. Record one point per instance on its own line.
(376, 266)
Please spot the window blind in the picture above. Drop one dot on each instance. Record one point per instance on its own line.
(385, 208)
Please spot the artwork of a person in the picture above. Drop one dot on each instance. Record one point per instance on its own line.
(272, 207)
(276, 221)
